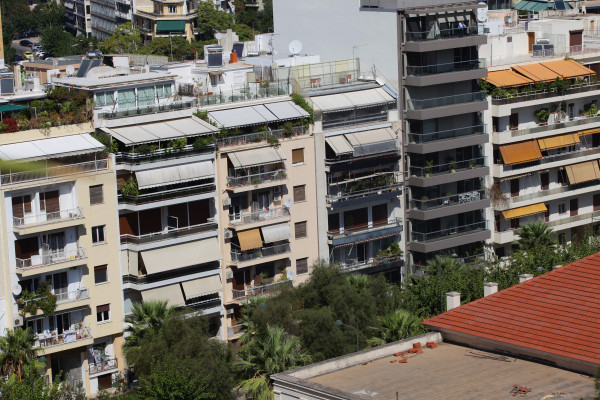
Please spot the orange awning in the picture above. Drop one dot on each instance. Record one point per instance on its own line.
(524, 211)
(250, 239)
(568, 69)
(507, 78)
(583, 172)
(537, 72)
(556, 142)
(519, 153)
(589, 131)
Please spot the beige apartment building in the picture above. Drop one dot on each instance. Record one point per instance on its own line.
(59, 227)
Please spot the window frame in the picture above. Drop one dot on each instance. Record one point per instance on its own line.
(95, 232)
(101, 314)
(295, 161)
(299, 224)
(93, 200)
(101, 268)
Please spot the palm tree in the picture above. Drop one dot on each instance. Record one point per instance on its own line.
(397, 325)
(535, 235)
(16, 351)
(147, 315)
(264, 356)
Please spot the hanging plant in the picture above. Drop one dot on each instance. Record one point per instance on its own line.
(42, 298)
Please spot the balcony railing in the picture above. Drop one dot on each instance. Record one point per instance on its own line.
(263, 290)
(249, 255)
(153, 109)
(53, 257)
(554, 158)
(48, 218)
(422, 104)
(74, 295)
(256, 216)
(256, 179)
(456, 66)
(364, 187)
(169, 234)
(331, 123)
(545, 94)
(235, 329)
(55, 339)
(446, 134)
(146, 198)
(258, 137)
(426, 172)
(359, 228)
(370, 262)
(105, 365)
(449, 232)
(53, 172)
(549, 127)
(437, 34)
(462, 198)
(133, 158)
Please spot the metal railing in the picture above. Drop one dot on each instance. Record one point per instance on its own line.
(330, 123)
(436, 33)
(256, 179)
(258, 137)
(554, 158)
(134, 158)
(168, 234)
(422, 104)
(53, 172)
(461, 198)
(48, 218)
(54, 339)
(79, 294)
(244, 94)
(235, 329)
(53, 257)
(105, 365)
(249, 255)
(567, 220)
(426, 172)
(446, 134)
(455, 66)
(449, 232)
(370, 262)
(146, 198)
(255, 216)
(152, 109)
(368, 149)
(343, 193)
(263, 290)
(549, 127)
(545, 94)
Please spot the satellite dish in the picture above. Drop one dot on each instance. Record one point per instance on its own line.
(295, 47)
(291, 275)
(288, 202)
(482, 14)
(70, 70)
(218, 35)
(16, 289)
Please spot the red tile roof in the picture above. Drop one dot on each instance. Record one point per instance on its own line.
(557, 312)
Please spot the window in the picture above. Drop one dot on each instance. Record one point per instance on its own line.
(172, 9)
(302, 266)
(300, 229)
(96, 195)
(299, 193)
(298, 156)
(101, 274)
(562, 208)
(98, 234)
(163, 91)
(103, 313)
(105, 98)
(126, 99)
(214, 80)
(146, 96)
(514, 223)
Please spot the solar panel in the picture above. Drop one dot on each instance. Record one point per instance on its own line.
(7, 86)
(215, 59)
(84, 68)
(239, 49)
(559, 5)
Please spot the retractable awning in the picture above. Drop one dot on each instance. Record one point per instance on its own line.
(371, 136)
(537, 72)
(170, 26)
(559, 141)
(202, 287)
(182, 255)
(61, 146)
(589, 131)
(507, 78)
(339, 145)
(351, 100)
(583, 172)
(249, 239)
(171, 293)
(525, 211)
(257, 115)
(276, 233)
(568, 69)
(176, 174)
(522, 152)
(160, 131)
(285, 110)
(251, 158)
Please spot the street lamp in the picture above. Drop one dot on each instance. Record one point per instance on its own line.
(340, 323)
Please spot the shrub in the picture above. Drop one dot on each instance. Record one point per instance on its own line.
(202, 142)
(301, 102)
(542, 115)
(11, 125)
(130, 188)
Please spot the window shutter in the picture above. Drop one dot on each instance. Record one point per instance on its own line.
(17, 207)
(96, 195)
(299, 193)
(297, 156)
(103, 308)
(27, 201)
(380, 214)
(52, 201)
(300, 229)
(302, 266)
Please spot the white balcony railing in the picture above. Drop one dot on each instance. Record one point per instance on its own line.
(48, 218)
(74, 295)
(53, 257)
(256, 216)
(53, 338)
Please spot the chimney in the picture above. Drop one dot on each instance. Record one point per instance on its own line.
(452, 300)
(489, 288)
(524, 277)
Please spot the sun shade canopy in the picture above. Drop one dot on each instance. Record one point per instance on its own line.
(589, 131)
(525, 211)
(159, 131)
(251, 158)
(351, 100)
(519, 153)
(507, 78)
(583, 172)
(257, 115)
(181, 255)
(249, 239)
(11, 107)
(170, 293)
(339, 145)
(556, 142)
(537, 72)
(170, 26)
(276, 233)
(533, 5)
(176, 174)
(568, 69)
(62, 146)
(202, 287)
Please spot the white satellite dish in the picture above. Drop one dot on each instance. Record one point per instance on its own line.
(218, 35)
(295, 47)
(70, 70)
(482, 13)
(291, 275)
(16, 289)
(288, 202)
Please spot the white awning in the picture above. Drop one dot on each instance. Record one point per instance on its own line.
(339, 144)
(159, 131)
(286, 110)
(62, 146)
(371, 136)
(182, 255)
(275, 233)
(351, 100)
(332, 102)
(176, 174)
(192, 126)
(257, 115)
(171, 293)
(251, 158)
(202, 287)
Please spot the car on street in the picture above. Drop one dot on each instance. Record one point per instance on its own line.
(41, 55)
(28, 54)
(26, 43)
(32, 33)
(36, 47)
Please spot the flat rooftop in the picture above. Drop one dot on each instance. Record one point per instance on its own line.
(456, 372)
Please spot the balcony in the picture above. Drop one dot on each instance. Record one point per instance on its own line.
(380, 263)
(450, 172)
(439, 107)
(103, 367)
(438, 34)
(171, 233)
(433, 69)
(164, 195)
(501, 137)
(67, 340)
(27, 224)
(264, 290)
(424, 143)
(421, 104)
(256, 181)
(436, 74)
(240, 257)
(153, 109)
(75, 295)
(235, 331)
(427, 242)
(53, 172)
(545, 95)
(375, 184)
(161, 155)
(36, 263)
(354, 120)
(437, 39)
(258, 137)
(426, 209)
(258, 216)
(500, 169)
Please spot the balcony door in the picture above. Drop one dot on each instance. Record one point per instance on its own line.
(54, 244)
(60, 284)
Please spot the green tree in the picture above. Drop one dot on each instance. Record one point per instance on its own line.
(17, 351)
(146, 316)
(398, 325)
(33, 387)
(211, 20)
(177, 46)
(125, 39)
(48, 14)
(535, 235)
(57, 42)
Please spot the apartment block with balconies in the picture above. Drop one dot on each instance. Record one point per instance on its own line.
(59, 236)
(156, 18)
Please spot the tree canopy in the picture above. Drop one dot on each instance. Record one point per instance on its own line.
(211, 20)
(124, 40)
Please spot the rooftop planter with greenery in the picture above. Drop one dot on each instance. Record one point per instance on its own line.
(556, 88)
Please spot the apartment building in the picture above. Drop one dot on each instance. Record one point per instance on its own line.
(59, 235)
(156, 18)
(78, 18)
(106, 15)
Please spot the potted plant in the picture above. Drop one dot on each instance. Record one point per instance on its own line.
(472, 164)
(451, 165)
(428, 168)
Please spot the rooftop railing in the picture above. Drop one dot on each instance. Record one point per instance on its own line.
(545, 94)
(446, 134)
(456, 66)
(53, 257)
(249, 255)
(263, 290)
(455, 166)
(445, 201)
(244, 94)
(134, 158)
(449, 232)
(13, 178)
(256, 179)
(256, 216)
(422, 104)
(258, 137)
(152, 109)
(48, 217)
(436, 34)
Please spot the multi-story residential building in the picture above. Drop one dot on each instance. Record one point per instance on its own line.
(78, 18)
(58, 232)
(106, 15)
(156, 18)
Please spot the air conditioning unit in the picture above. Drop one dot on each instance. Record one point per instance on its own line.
(226, 202)
(18, 321)
(230, 311)
(229, 275)
(228, 234)
(277, 193)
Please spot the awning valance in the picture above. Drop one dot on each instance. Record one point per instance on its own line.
(276, 233)
(339, 145)
(589, 131)
(507, 78)
(61, 146)
(202, 287)
(525, 211)
(182, 255)
(556, 142)
(170, 293)
(522, 152)
(174, 175)
(254, 157)
(583, 172)
(249, 239)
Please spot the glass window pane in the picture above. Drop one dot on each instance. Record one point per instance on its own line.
(126, 99)
(146, 96)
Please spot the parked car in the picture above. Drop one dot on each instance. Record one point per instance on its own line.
(32, 33)
(28, 54)
(26, 43)
(41, 54)
(36, 47)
